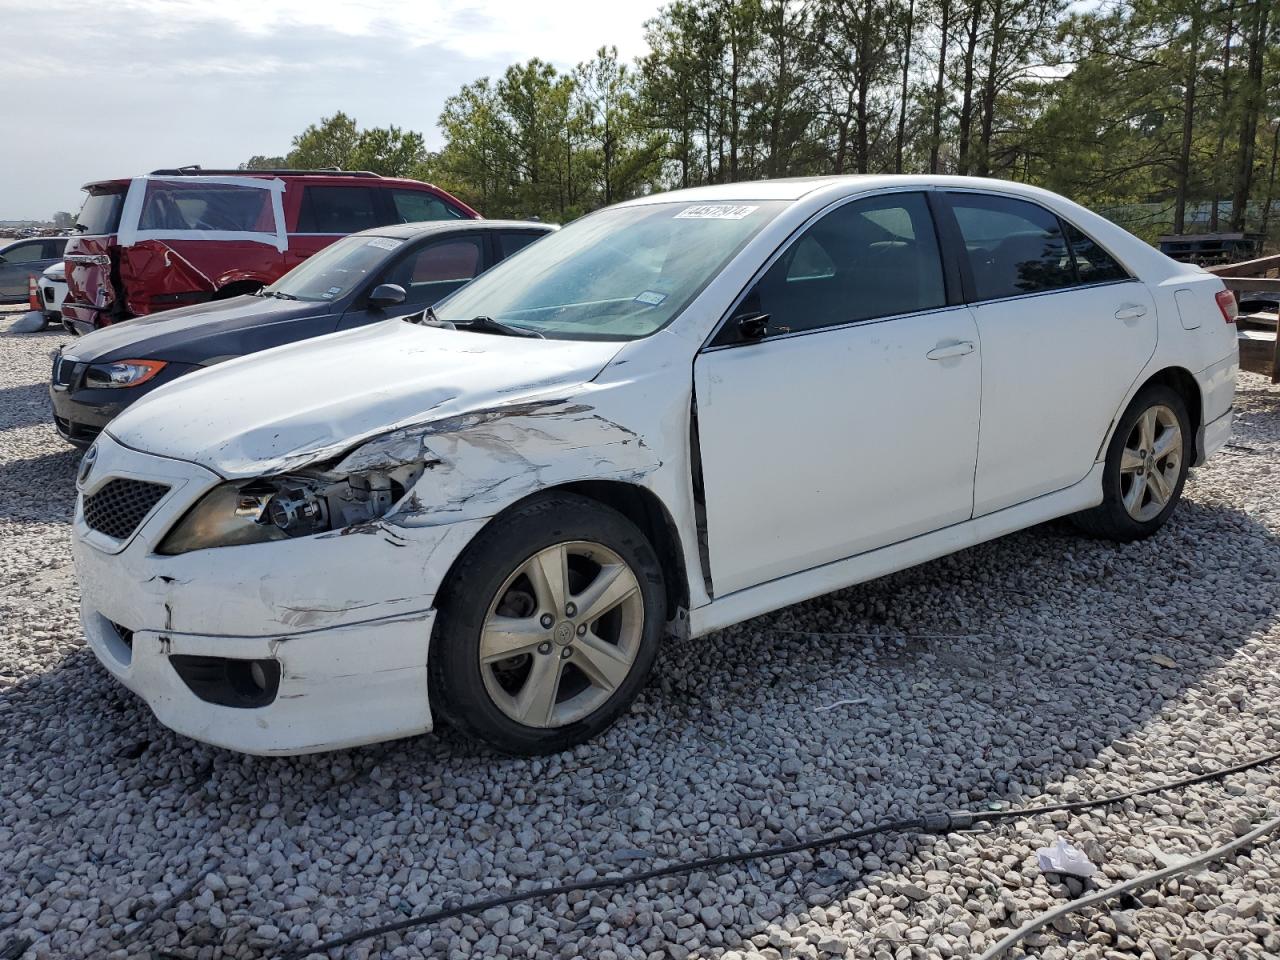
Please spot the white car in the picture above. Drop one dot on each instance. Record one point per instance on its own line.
(50, 290)
(672, 415)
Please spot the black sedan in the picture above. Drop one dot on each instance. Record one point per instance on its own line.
(360, 279)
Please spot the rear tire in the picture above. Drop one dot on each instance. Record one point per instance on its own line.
(1145, 469)
(514, 662)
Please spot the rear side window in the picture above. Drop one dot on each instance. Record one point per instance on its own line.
(509, 243)
(173, 206)
(53, 249)
(870, 258)
(337, 210)
(1013, 247)
(413, 206)
(1093, 264)
(100, 214)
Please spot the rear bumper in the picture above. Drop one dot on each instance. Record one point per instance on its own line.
(1213, 436)
(339, 687)
(83, 318)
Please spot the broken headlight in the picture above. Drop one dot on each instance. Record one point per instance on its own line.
(279, 508)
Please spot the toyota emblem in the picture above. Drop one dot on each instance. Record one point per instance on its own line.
(86, 464)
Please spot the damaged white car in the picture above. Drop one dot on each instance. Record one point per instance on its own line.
(674, 414)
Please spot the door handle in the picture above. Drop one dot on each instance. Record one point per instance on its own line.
(1131, 311)
(956, 348)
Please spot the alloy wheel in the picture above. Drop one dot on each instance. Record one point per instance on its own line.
(562, 634)
(1150, 463)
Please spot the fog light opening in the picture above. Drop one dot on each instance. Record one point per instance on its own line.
(228, 682)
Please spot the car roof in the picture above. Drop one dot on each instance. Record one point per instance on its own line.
(407, 231)
(795, 188)
(7, 242)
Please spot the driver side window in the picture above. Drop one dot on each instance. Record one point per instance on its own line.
(871, 258)
(434, 271)
(25, 252)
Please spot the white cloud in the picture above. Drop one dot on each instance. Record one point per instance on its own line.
(563, 31)
(121, 87)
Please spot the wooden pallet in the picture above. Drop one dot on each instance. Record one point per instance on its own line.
(1256, 332)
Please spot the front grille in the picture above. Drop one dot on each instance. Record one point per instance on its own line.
(119, 506)
(66, 372)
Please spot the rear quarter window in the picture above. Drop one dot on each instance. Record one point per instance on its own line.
(201, 206)
(413, 206)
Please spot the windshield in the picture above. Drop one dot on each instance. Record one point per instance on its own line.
(618, 274)
(100, 214)
(336, 270)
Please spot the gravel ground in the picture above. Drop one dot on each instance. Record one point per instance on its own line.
(1040, 665)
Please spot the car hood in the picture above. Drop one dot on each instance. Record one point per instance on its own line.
(193, 334)
(281, 409)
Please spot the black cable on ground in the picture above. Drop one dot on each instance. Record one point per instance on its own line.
(935, 823)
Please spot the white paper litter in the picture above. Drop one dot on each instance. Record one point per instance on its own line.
(1062, 857)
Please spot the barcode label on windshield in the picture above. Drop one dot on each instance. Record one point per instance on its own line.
(384, 243)
(716, 211)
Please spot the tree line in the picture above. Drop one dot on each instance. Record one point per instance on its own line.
(1165, 108)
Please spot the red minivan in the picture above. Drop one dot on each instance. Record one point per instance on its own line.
(178, 237)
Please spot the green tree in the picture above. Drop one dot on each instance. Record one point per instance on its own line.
(330, 143)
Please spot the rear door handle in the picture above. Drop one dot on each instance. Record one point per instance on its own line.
(1131, 311)
(956, 348)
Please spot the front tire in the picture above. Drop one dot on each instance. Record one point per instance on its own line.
(548, 626)
(1146, 467)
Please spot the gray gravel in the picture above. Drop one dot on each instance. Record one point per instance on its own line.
(1013, 671)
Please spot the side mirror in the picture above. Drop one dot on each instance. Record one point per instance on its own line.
(753, 326)
(387, 295)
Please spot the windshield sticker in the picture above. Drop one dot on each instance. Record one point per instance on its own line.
(716, 211)
(651, 297)
(331, 293)
(383, 243)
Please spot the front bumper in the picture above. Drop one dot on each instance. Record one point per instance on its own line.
(347, 616)
(340, 687)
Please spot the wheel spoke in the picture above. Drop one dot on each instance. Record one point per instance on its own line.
(1160, 490)
(604, 664)
(1130, 461)
(536, 702)
(612, 585)
(507, 636)
(1147, 429)
(1133, 499)
(549, 573)
(1169, 442)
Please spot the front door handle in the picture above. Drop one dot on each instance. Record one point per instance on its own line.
(1131, 311)
(956, 348)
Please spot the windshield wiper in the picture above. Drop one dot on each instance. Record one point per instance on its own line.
(280, 296)
(484, 324)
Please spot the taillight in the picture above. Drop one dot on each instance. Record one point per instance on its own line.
(33, 294)
(1227, 304)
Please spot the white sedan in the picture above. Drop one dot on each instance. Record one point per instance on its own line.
(674, 414)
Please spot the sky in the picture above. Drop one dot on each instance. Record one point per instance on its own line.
(97, 89)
